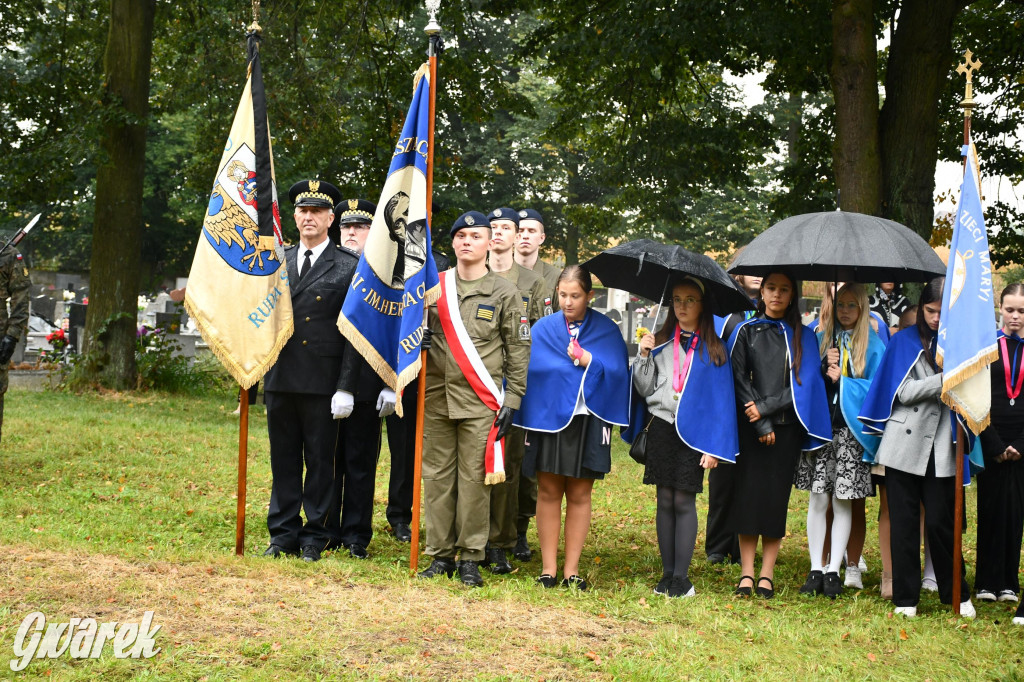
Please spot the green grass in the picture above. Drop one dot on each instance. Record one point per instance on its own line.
(117, 504)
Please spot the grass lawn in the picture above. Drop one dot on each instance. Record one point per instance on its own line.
(113, 505)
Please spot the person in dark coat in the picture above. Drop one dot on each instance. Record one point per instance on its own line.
(302, 389)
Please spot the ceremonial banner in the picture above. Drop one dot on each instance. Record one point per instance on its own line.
(238, 288)
(396, 277)
(967, 327)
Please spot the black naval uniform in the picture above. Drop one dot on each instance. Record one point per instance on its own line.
(298, 391)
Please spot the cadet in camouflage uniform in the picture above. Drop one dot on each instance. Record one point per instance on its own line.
(456, 420)
(532, 287)
(529, 238)
(14, 283)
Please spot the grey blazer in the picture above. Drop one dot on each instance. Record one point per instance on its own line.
(918, 425)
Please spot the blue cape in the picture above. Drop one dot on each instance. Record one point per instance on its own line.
(900, 356)
(809, 398)
(553, 383)
(883, 329)
(705, 415)
(852, 390)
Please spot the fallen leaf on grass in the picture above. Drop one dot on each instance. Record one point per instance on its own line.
(846, 636)
(276, 646)
(903, 634)
(872, 658)
(594, 657)
(280, 604)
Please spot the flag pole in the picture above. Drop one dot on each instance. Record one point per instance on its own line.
(968, 67)
(433, 31)
(243, 462)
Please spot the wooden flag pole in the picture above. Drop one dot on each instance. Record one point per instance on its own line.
(243, 461)
(967, 68)
(433, 31)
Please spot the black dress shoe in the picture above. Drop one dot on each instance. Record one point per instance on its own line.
(357, 552)
(469, 573)
(277, 551)
(546, 580)
(741, 589)
(576, 582)
(498, 561)
(766, 592)
(522, 551)
(310, 554)
(716, 558)
(814, 584)
(402, 532)
(439, 566)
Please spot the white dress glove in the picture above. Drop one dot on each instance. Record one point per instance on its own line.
(342, 403)
(386, 402)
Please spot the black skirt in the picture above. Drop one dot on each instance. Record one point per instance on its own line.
(670, 461)
(764, 480)
(583, 449)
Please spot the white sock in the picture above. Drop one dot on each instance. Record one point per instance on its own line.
(817, 507)
(929, 567)
(842, 523)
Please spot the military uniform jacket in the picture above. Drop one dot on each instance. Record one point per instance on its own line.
(532, 288)
(14, 284)
(311, 360)
(492, 311)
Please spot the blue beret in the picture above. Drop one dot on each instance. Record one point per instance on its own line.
(531, 214)
(470, 219)
(505, 213)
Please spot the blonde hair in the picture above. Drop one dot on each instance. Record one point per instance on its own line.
(860, 331)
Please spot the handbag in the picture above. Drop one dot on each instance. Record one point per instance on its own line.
(638, 450)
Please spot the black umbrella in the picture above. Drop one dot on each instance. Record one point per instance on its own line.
(646, 268)
(839, 246)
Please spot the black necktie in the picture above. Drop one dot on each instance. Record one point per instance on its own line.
(305, 264)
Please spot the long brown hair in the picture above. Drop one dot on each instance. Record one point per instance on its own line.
(931, 293)
(712, 345)
(792, 316)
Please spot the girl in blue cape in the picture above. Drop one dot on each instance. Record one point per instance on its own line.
(684, 394)
(837, 473)
(578, 381)
(904, 405)
(783, 409)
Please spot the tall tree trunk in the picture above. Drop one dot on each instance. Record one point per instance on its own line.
(854, 76)
(920, 59)
(117, 230)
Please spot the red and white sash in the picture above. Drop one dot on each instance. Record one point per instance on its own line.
(472, 366)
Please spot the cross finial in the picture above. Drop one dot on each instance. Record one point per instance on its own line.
(967, 68)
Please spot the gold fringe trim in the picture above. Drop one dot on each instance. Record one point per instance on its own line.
(957, 377)
(246, 379)
(495, 478)
(423, 71)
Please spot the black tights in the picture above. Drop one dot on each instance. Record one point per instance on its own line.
(677, 530)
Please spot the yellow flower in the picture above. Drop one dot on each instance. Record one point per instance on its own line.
(640, 332)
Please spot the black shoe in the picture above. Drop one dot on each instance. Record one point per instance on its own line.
(681, 587)
(469, 573)
(716, 558)
(741, 590)
(498, 561)
(439, 566)
(310, 554)
(357, 552)
(522, 551)
(833, 587)
(662, 586)
(277, 551)
(402, 532)
(576, 582)
(546, 580)
(814, 584)
(766, 592)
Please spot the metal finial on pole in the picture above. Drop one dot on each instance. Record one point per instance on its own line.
(433, 7)
(967, 68)
(255, 26)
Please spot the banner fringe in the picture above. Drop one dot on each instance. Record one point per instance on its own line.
(953, 380)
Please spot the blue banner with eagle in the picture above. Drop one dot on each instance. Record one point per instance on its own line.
(396, 278)
(238, 288)
(967, 324)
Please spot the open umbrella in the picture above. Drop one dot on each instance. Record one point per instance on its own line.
(645, 268)
(839, 246)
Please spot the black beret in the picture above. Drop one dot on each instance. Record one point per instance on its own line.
(531, 214)
(470, 219)
(505, 213)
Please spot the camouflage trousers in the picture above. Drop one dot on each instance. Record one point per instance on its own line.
(3, 391)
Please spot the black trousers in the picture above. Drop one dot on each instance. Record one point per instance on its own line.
(719, 537)
(906, 493)
(355, 473)
(402, 444)
(302, 432)
(1000, 526)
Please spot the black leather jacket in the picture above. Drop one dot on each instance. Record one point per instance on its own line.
(760, 367)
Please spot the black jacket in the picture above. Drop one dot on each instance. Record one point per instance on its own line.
(311, 360)
(760, 367)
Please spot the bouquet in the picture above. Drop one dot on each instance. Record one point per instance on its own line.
(641, 332)
(57, 339)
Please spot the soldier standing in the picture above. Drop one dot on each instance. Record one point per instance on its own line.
(14, 283)
(479, 337)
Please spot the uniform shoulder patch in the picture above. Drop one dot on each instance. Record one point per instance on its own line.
(526, 302)
(485, 312)
(524, 328)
